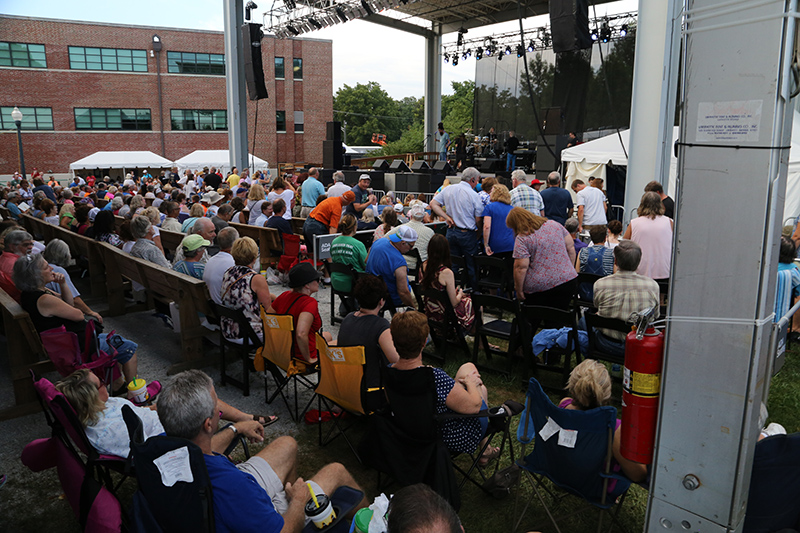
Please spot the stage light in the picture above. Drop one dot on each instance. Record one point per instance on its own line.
(520, 50)
(623, 31)
(594, 35)
(499, 57)
(605, 32)
(455, 60)
(478, 53)
(446, 57)
(508, 50)
(531, 47)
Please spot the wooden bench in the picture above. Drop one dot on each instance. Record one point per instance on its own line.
(268, 239)
(189, 293)
(5, 213)
(297, 225)
(79, 246)
(25, 353)
(170, 240)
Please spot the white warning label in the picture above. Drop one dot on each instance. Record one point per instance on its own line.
(729, 121)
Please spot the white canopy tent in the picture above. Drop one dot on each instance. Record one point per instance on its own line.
(120, 160)
(220, 159)
(591, 158)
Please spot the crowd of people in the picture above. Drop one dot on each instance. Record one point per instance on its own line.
(540, 232)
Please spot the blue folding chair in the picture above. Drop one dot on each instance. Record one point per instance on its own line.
(577, 460)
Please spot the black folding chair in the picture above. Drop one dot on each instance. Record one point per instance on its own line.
(595, 321)
(244, 347)
(494, 275)
(446, 333)
(347, 298)
(555, 359)
(460, 270)
(414, 273)
(502, 327)
(584, 294)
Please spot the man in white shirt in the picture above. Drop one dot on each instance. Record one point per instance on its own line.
(591, 204)
(338, 188)
(222, 261)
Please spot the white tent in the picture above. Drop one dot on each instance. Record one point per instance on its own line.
(120, 160)
(216, 158)
(591, 158)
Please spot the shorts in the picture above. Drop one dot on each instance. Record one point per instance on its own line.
(268, 480)
(124, 352)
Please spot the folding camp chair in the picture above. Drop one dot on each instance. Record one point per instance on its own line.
(66, 427)
(347, 298)
(279, 362)
(774, 486)
(155, 503)
(536, 317)
(64, 351)
(291, 253)
(573, 449)
(244, 346)
(446, 333)
(505, 328)
(341, 382)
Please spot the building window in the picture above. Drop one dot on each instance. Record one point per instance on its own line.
(112, 119)
(280, 72)
(86, 58)
(193, 63)
(297, 68)
(280, 124)
(199, 119)
(33, 118)
(22, 55)
(298, 122)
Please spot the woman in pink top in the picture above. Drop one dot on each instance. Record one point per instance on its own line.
(652, 231)
(544, 259)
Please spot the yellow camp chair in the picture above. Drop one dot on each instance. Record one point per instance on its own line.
(278, 360)
(341, 382)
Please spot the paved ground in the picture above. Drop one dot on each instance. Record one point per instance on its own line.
(159, 347)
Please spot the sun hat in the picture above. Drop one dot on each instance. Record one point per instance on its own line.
(404, 234)
(302, 273)
(193, 242)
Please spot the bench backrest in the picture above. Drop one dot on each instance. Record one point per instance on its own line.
(268, 239)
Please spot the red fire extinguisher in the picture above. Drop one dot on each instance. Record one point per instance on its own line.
(641, 384)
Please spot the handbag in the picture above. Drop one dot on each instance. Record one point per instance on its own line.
(500, 484)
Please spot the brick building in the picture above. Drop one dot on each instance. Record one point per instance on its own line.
(85, 87)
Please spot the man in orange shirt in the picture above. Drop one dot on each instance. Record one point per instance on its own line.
(324, 219)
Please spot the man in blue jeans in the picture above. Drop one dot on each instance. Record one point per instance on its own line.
(464, 207)
(512, 143)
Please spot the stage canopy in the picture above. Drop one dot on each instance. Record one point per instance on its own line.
(124, 160)
(216, 158)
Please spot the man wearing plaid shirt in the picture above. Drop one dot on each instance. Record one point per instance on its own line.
(524, 196)
(622, 293)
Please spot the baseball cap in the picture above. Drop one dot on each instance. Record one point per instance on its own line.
(535, 181)
(193, 242)
(350, 196)
(93, 213)
(398, 208)
(418, 211)
(404, 234)
(364, 177)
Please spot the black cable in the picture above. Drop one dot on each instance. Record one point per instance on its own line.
(608, 88)
(528, 81)
(255, 132)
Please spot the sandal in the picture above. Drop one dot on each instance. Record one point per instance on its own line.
(491, 453)
(267, 419)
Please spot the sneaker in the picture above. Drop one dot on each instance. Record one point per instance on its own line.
(326, 280)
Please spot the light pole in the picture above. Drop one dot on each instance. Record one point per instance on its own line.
(16, 116)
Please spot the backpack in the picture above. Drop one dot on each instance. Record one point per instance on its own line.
(594, 260)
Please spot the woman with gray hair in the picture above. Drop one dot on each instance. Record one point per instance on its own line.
(58, 256)
(116, 204)
(145, 248)
(137, 206)
(50, 310)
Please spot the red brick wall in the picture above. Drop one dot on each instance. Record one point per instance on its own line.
(63, 90)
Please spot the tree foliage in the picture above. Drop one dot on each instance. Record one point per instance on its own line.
(368, 109)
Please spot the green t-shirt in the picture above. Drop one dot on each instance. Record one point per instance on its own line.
(349, 251)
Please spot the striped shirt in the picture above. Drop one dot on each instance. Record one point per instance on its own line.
(623, 293)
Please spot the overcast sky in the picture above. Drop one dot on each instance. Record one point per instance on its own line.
(362, 51)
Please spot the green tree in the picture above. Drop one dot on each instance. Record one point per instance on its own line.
(457, 108)
(368, 109)
(614, 78)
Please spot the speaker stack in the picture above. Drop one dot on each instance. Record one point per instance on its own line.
(398, 165)
(253, 68)
(380, 164)
(420, 166)
(332, 149)
(569, 25)
(443, 167)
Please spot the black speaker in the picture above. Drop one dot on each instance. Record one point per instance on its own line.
(545, 162)
(491, 165)
(569, 24)
(253, 69)
(332, 155)
(437, 180)
(417, 182)
(419, 165)
(444, 167)
(398, 165)
(380, 164)
(334, 130)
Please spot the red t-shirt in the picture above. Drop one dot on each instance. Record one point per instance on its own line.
(292, 303)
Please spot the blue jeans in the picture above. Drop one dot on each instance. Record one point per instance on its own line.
(124, 352)
(604, 343)
(511, 162)
(443, 156)
(465, 244)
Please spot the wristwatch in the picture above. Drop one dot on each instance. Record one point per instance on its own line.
(232, 427)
